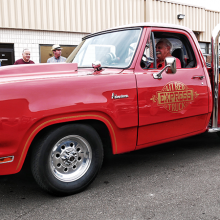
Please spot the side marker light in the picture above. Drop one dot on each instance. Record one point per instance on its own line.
(6, 159)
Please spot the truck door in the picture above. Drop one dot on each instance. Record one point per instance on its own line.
(176, 105)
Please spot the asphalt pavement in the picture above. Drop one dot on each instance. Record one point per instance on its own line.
(177, 180)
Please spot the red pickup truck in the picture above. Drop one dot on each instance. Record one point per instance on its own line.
(108, 96)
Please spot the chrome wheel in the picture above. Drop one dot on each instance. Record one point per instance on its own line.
(70, 158)
(67, 158)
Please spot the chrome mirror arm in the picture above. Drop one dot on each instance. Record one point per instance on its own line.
(170, 62)
(159, 75)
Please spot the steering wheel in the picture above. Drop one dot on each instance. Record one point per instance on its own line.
(109, 58)
(145, 64)
(130, 47)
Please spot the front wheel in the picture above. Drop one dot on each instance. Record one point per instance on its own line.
(67, 159)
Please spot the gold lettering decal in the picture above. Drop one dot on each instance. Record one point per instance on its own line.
(174, 96)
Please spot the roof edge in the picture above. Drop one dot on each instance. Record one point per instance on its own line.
(143, 24)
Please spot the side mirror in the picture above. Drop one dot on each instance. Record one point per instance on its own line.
(170, 62)
(96, 65)
(170, 66)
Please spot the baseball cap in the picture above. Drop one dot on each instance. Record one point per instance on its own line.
(56, 46)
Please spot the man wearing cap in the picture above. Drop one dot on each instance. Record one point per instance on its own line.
(57, 58)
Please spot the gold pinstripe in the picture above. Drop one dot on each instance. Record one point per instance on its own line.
(57, 119)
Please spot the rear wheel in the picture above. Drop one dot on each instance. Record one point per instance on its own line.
(67, 159)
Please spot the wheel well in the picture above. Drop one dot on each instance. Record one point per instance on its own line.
(99, 126)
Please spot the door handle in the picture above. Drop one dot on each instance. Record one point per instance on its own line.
(198, 77)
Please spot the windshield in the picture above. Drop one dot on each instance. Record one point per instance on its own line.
(115, 49)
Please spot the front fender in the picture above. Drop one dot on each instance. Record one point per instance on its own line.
(30, 103)
(123, 140)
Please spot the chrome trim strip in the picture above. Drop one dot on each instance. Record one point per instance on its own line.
(215, 79)
(110, 31)
(7, 161)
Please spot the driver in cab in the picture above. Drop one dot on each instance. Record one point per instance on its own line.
(163, 50)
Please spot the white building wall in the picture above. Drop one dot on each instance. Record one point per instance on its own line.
(31, 39)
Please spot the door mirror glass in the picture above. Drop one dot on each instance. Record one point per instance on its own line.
(170, 62)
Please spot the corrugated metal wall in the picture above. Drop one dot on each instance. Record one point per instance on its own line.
(70, 15)
(196, 18)
(166, 12)
(212, 19)
(88, 16)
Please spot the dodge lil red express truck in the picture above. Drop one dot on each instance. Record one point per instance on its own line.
(109, 95)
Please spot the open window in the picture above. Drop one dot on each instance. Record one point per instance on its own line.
(181, 49)
(149, 55)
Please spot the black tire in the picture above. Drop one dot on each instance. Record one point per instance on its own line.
(218, 133)
(67, 159)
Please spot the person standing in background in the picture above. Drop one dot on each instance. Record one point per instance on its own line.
(26, 55)
(57, 58)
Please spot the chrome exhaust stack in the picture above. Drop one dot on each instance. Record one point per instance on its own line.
(215, 79)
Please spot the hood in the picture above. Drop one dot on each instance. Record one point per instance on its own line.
(36, 70)
(45, 71)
